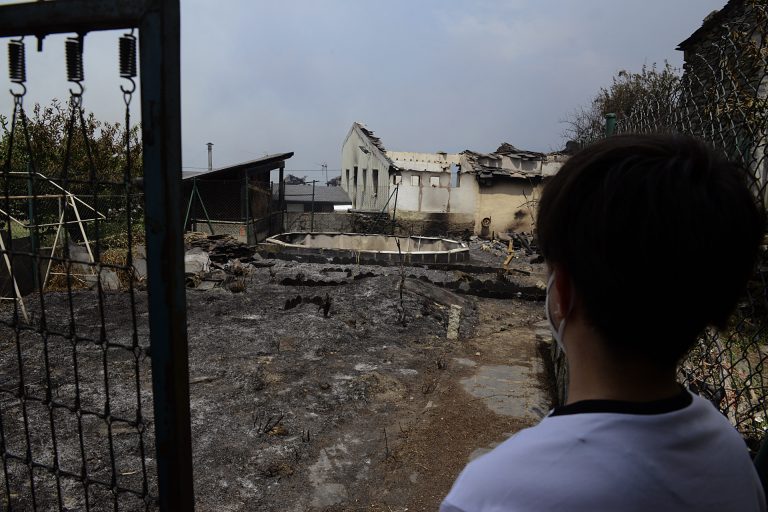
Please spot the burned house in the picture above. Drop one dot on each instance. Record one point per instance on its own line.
(237, 200)
(438, 193)
(506, 186)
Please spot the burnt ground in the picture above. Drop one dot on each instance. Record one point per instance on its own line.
(336, 396)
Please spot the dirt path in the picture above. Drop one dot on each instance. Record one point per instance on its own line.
(487, 388)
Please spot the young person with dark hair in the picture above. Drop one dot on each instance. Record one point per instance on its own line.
(632, 232)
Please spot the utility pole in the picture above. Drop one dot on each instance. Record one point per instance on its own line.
(210, 156)
(312, 215)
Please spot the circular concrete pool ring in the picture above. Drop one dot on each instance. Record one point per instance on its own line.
(372, 248)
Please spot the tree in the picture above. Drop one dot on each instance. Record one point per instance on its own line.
(58, 150)
(49, 129)
(630, 96)
(59, 146)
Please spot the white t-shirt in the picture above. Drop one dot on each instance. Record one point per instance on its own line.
(678, 455)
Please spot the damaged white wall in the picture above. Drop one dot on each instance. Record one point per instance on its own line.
(425, 183)
(364, 171)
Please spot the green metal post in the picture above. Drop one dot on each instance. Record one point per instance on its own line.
(160, 50)
(34, 232)
(246, 208)
(205, 210)
(189, 204)
(269, 208)
(610, 124)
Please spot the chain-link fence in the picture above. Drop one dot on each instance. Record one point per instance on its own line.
(722, 98)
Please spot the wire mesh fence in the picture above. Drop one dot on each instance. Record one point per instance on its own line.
(722, 98)
(215, 200)
(75, 374)
(227, 207)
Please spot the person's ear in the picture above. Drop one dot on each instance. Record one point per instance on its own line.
(561, 301)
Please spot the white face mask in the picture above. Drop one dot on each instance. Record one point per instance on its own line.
(557, 332)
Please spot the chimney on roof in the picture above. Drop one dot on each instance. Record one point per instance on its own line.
(210, 156)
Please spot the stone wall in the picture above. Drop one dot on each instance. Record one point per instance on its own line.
(451, 225)
(338, 222)
(341, 222)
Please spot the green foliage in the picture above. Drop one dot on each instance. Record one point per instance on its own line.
(85, 156)
(629, 94)
(52, 135)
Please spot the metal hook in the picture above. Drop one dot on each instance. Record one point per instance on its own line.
(82, 89)
(19, 94)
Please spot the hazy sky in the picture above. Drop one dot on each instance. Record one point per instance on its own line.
(426, 75)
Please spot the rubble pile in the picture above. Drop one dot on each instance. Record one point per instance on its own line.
(218, 260)
(522, 243)
(521, 246)
(220, 248)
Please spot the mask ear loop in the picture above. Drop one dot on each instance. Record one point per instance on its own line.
(557, 332)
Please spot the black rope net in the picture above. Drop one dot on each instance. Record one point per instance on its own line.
(722, 98)
(75, 378)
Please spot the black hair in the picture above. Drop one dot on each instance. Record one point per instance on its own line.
(659, 235)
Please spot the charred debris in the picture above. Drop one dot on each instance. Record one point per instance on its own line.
(506, 267)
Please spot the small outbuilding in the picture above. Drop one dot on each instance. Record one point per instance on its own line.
(237, 200)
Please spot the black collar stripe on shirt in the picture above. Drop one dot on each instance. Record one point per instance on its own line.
(675, 403)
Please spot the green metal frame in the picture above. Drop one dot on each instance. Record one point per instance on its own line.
(159, 47)
(196, 192)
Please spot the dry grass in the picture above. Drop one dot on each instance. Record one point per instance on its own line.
(76, 273)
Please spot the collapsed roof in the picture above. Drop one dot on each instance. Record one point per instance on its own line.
(484, 165)
(375, 142)
(509, 150)
(492, 165)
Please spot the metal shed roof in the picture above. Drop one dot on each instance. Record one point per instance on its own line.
(263, 164)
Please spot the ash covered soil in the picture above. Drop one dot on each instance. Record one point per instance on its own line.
(343, 395)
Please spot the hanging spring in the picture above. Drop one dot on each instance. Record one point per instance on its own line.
(74, 56)
(17, 68)
(128, 63)
(16, 62)
(128, 56)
